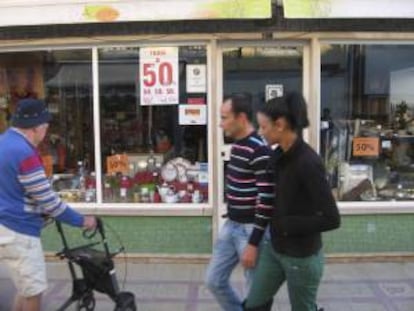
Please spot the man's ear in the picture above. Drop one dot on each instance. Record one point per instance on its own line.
(243, 116)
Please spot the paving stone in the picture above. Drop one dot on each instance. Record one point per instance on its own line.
(180, 287)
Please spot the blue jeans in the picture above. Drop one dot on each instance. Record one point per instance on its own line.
(227, 251)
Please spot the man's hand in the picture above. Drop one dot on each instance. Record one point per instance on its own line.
(249, 257)
(89, 222)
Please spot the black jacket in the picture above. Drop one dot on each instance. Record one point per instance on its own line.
(304, 205)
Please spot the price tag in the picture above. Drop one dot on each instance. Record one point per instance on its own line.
(158, 76)
(117, 163)
(366, 147)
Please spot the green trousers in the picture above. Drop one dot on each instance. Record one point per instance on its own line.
(302, 275)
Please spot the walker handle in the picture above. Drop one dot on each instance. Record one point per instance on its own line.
(100, 226)
(89, 234)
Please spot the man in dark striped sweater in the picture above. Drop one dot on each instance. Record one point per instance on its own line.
(249, 202)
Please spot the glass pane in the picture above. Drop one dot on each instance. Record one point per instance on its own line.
(261, 72)
(64, 80)
(367, 129)
(162, 159)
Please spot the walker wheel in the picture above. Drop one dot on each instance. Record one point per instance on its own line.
(125, 302)
(86, 303)
(128, 308)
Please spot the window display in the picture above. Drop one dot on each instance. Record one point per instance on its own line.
(64, 80)
(367, 121)
(153, 117)
(149, 154)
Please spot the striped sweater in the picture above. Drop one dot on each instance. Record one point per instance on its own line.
(250, 185)
(25, 191)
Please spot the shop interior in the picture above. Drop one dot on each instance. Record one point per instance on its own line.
(367, 121)
(148, 154)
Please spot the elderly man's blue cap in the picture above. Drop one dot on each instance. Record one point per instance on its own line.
(30, 113)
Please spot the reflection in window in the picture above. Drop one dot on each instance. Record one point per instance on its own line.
(64, 80)
(367, 127)
(261, 72)
(165, 160)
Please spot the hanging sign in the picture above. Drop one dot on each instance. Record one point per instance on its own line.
(348, 8)
(44, 12)
(158, 75)
(273, 91)
(365, 147)
(196, 78)
(192, 114)
(117, 163)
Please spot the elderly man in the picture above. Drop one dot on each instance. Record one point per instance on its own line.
(26, 195)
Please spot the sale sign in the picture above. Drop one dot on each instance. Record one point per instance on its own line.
(117, 163)
(158, 73)
(366, 147)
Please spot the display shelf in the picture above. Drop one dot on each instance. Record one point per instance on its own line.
(139, 209)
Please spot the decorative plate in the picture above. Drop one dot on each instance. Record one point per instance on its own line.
(169, 172)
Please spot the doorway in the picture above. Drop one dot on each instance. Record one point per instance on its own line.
(261, 72)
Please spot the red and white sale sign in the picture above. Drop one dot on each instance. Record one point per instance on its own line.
(158, 72)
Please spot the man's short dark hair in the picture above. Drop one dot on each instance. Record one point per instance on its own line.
(241, 103)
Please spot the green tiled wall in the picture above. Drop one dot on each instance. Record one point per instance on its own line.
(372, 233)
(146, 234)
(174, 235)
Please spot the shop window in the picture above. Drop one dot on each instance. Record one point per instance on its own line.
(367, 121)
(153, 106)
(63, 79)
(261, 73)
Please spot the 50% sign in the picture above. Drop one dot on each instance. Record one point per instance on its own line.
(158, 72)
(366, 147)
(117, 163)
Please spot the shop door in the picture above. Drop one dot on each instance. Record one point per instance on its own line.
(261, 72)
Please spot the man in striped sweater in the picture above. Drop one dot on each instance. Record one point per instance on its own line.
(249, 203)
(26, 195)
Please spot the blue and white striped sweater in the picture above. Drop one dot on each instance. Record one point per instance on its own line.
(25, 191)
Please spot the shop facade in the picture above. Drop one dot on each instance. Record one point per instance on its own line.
(135, 136)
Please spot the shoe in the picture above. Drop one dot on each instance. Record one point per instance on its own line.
(266, 307)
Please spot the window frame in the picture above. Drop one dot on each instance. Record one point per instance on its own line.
(354, 38)
(137, 209)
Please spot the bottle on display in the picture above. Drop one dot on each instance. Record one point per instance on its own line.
(124, 188)
(90, 194)
(108, 194)
(157, 196)
(156, 174)
(82, 180)
(151, 162)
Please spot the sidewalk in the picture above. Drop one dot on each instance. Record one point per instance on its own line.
(179, 287)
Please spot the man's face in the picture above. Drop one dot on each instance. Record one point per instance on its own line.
(230, 123)
(40, 133)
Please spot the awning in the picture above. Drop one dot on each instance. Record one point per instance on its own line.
(81, 75)
(46, 12)
(348, 8)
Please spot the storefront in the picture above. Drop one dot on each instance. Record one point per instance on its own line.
(135, 135)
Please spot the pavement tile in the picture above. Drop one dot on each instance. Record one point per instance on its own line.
(340, 290)
(397, 289)
(180, 287)
(405, 305)
(367, 306)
